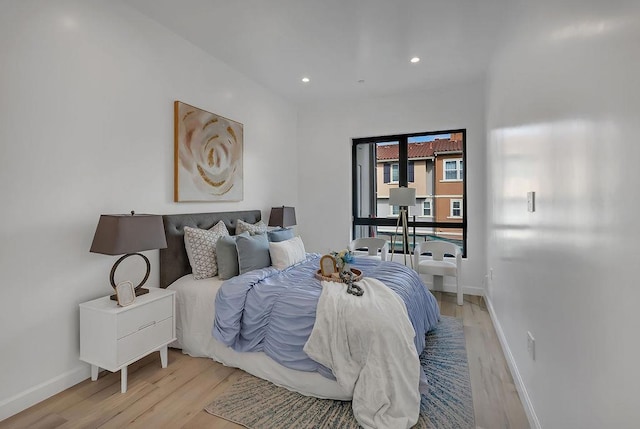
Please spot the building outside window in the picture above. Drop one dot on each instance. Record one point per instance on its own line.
(456, 208)
(395, 173)
(430, 162)
(453, 169)
(426, 208)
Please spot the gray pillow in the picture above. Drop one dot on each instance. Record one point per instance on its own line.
(278, 235)
(257, 228)
(227, 256)
(253, 252)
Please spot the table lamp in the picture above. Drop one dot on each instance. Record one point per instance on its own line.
(128, 234)
(282, 217)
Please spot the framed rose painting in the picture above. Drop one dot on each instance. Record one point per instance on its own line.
(208, 156)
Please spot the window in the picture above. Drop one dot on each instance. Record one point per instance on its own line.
(456, 208)
(452, 169)
(395, 173)
(391, 172)
(415, 161)
(426, 208)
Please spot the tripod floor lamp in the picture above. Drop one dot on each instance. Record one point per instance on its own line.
(403, 198)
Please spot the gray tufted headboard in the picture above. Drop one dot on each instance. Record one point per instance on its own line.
(173, 260)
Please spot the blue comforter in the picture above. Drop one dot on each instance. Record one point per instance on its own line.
(274, 311)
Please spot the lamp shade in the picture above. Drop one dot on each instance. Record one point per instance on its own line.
(121, 234)
(402, 197)
(282, 216)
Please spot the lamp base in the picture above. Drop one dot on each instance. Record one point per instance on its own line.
(402, 223)
(139, 291)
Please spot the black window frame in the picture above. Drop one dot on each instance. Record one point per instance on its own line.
(403, 148)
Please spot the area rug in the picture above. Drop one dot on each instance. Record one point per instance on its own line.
(259, 404)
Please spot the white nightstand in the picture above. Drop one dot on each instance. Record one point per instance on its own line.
(113, 337)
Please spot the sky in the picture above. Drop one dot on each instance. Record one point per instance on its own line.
(428, 138)
(420, 139)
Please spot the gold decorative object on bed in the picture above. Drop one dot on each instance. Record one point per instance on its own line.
(208, 156)
(329, 271)
(328, 266)
(335, 277)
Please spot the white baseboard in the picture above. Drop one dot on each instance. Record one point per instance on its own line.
(42, 391)
(520, 387)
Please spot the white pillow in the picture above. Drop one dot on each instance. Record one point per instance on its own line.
(201, 249)
(286, 253)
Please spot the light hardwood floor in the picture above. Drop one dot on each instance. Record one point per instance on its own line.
(176, 396)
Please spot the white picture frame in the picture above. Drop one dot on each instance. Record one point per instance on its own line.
(125, 293)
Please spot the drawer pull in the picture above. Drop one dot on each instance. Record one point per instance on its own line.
(147, 325)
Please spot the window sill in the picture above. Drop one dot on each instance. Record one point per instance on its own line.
(450, 180)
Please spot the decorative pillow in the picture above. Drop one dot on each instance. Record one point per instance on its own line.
(280, 235)
(201, 249)
(286, 253)
(253, 252)
(227, 256)
(257, 228)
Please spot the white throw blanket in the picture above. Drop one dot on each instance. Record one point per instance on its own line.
(367, 342)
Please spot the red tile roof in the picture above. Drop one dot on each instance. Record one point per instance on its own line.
(420, 150)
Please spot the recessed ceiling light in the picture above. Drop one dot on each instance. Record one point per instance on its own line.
(415, 60)
(306, 79)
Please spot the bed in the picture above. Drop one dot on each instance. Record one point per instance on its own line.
(196, 309)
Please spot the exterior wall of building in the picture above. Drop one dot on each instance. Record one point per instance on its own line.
(383, 188)
(420, 178)
(420, 181)
(455, 137)
(445, 191)
(424, 189)
(430, 184)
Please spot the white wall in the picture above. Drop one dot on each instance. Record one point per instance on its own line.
(86, 127)
(324, 156)
(563, 110)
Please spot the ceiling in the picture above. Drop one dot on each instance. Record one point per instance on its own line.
(337, 43)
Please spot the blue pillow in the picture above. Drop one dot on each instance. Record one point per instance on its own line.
(278, 235)
(227, 256)
(253, 252)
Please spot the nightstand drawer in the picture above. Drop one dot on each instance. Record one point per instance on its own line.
(142, 342)
(139, 317)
